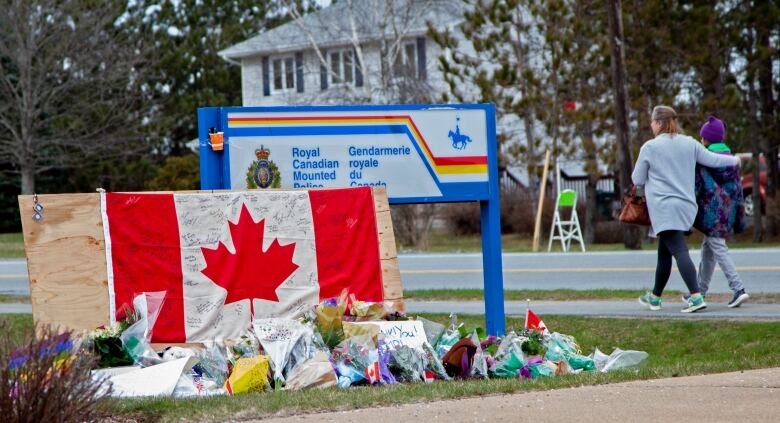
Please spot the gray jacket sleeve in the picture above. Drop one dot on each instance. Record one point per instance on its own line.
(707, 158)
(639, 176)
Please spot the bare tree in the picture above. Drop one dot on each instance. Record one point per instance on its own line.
(67, 72)
(631, 235)
(755, 148)
(766, 43)
(369, 27)
(487, 59)
(378, 33)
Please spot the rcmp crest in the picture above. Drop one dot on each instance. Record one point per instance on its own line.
(263, 173)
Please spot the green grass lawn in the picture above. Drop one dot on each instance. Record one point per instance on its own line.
(442, 241)
(676, 348)
(11, 245)
(16, 326)
(14, 299)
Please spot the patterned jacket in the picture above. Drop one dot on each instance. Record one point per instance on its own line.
(719, 197)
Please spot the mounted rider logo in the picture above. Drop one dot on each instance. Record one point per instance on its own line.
(459, 141)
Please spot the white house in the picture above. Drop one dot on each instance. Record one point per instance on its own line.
(353, 51)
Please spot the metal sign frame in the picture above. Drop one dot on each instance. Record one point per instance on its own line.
(215, 174)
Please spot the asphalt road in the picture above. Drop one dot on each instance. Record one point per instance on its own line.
(759, 268)
(13, 277)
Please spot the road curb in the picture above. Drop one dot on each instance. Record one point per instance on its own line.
(626, 308)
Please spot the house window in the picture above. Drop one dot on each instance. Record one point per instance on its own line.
(283, 70)
(348, 66)
(335, 67)
(406, 61)
(342, 67)
(289, 73)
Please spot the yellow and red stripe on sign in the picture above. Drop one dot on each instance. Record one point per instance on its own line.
(442, 165)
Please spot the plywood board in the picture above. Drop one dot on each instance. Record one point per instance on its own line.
(66, 260)
(67, 264)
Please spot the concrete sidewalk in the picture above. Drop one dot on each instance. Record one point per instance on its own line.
(13, 308)
(622, 308)
(625, 308)
(750, 396)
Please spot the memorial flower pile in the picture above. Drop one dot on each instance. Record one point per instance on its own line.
(342, 343)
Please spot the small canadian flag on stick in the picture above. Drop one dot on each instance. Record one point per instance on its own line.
(372, 373)
(532, 321)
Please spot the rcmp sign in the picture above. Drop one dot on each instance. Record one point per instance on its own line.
(419, 153)
(432, 153)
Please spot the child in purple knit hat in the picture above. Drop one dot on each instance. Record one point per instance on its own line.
(721, 212)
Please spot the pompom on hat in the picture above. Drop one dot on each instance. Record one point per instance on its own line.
(713, 130)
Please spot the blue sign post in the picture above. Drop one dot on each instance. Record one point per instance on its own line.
(420, 153)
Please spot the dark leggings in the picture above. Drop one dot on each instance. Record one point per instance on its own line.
(672, 244)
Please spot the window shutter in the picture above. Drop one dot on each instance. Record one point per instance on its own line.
(299, 72)
(324, 73)
(422, 63)
(266, 78)
(358, 69)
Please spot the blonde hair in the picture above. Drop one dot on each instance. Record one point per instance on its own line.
(667, 119)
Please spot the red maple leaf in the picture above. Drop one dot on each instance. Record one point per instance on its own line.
(250, 272)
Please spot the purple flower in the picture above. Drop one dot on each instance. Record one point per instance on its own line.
(330, 302)
(489, 340)
(525, 372)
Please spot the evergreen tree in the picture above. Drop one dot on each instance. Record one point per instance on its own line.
(585, 91)
(187, 72)
(489, 62)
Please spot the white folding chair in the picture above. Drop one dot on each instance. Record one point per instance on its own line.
(566, 230)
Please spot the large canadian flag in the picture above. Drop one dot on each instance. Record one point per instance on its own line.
(223, 258)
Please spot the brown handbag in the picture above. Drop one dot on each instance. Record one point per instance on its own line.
(635, 209)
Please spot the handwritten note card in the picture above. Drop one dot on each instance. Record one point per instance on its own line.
(409, 332)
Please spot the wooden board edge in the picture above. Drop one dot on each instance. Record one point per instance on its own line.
(25, 204)
(392, 286)
(381, 202)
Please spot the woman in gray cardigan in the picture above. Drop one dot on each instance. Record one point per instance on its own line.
(667, 167)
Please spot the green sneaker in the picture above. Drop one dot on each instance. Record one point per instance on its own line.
(686, 297)
(694, 304)
(651, 301)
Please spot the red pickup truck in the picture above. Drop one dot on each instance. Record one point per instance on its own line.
(747, 180)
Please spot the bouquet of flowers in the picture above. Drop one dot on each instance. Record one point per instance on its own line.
(330, 314)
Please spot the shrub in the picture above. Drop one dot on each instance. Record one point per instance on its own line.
(461, 218)
(518, 211)
(44, 379)
(517, 214)
(517, 217)
(608, 232)
(178, 174)
(412, 224)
